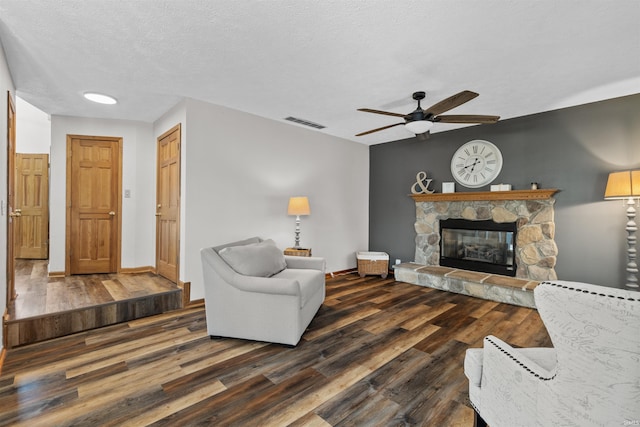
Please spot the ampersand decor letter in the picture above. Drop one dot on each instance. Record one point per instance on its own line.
(424, 189)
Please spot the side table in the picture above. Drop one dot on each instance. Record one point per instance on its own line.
(298, 251)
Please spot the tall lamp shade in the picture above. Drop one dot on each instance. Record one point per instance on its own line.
(626, 185)
(298, 205)
(622, 185)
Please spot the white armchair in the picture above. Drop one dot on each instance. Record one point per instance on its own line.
(591, 377)
(253, 291)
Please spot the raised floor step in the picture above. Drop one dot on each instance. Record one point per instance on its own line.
(53, 325)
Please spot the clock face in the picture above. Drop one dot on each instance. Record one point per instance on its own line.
(476, 164)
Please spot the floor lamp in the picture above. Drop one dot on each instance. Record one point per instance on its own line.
(625, 185)
(298, 206)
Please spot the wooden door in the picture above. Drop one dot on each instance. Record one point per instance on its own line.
(32, 202)
(11, 156)
(168, 205)
(93, 199)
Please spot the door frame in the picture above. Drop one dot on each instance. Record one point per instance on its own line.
(11, 163)
(118, 244)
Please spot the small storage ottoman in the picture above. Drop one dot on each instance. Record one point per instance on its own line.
(373, 263)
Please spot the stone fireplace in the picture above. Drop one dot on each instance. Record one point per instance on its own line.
(536, 252)
(534, 249)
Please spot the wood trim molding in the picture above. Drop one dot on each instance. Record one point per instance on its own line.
(3, 355)
(486, 195)
(135, 270)
(195, 303)
(56, 274)
(340, 273)
(128, 270)
(5, 333)
(186, 293)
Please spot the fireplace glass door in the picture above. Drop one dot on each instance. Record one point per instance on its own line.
(478, 245)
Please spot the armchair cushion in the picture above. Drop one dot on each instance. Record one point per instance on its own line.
(262, 259)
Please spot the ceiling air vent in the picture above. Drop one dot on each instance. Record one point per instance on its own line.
(304, 122)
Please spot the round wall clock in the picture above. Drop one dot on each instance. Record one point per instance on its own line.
(477, 163)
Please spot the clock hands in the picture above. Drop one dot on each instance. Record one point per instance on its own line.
(473, 165)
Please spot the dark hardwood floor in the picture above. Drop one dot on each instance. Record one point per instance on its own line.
(379, 353)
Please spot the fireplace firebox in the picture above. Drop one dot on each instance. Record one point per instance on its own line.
(485, 246)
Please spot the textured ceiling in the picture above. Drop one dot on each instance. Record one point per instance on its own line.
(321, 60)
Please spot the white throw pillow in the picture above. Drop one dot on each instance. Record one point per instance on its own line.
(262, 259)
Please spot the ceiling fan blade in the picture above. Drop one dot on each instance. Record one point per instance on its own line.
(451, 102)
(376, 130)
(466, 118)
(386, 113)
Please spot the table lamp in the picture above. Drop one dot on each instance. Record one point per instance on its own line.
(298, 206)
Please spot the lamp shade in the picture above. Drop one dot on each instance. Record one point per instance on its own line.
(299, 206)
(622, 185)
(418, 126)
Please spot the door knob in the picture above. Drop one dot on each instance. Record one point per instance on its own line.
(158, 214)
(15, 214)
(17, 210)
(112, 213)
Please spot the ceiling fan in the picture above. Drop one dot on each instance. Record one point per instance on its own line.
(420, 121)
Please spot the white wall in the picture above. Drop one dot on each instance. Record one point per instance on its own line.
(6, 86)
(138, 152)
(239, 172)
(34, 128)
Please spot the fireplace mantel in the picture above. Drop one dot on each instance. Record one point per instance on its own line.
(486, 195)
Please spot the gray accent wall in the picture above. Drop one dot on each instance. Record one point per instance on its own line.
(572, 149)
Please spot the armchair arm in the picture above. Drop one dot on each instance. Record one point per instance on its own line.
(311, 263)
(512, 382)
(538, 362)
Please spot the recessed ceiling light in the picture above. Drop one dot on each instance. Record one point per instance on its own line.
(100, 98)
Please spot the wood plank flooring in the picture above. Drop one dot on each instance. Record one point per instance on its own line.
(39, 294)
(378, 353)
(49, 307)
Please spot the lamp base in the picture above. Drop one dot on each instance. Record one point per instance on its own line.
(631, 228)
(297, 239)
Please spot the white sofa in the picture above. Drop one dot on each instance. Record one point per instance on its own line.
(591, 377)
(253, 291)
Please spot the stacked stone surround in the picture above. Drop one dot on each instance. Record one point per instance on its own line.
(536, 248)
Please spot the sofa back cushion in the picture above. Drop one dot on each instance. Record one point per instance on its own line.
(262, 259)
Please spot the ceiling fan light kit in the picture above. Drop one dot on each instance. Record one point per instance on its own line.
(420, 121)
(419, 126)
